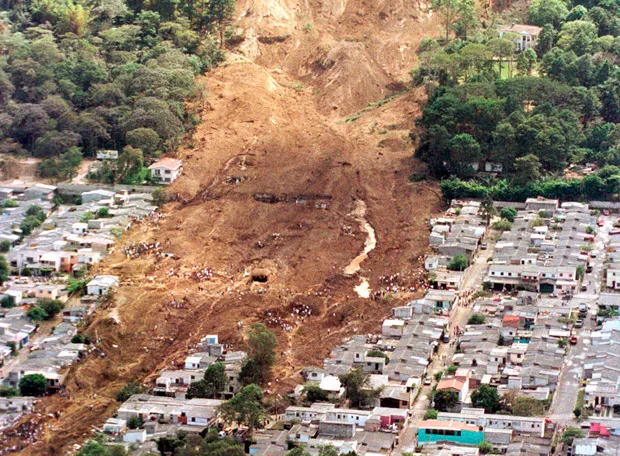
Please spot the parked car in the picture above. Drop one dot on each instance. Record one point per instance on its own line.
(573, 340)
(600, 222)
(606, 212)
(483, 246)
(427, 381)
(579, 324)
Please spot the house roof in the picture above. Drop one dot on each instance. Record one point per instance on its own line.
(451, 383)
(510, 321)
(522, 28)
(441, 424)
(169, 163)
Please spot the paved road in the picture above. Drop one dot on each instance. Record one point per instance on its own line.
(459, 316)
(568, 387)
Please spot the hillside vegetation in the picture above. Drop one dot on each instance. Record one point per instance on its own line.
(531, 114)
(79, 76)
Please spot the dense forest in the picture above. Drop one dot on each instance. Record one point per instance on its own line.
(528, 114)
(78, 76)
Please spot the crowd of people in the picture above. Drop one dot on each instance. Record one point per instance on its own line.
(26, 433)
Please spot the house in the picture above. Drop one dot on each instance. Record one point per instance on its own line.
(97, 195)
(107, 155)
(101, 285)
(79, 228)
(166, 170)
(332, 386)
(459, 385)
(613, 276)
(542, 204)
(392, 328)
(441, 300)
(191, 412)
(528, 35)
(40, 192)
(434, 431)
(493, 167)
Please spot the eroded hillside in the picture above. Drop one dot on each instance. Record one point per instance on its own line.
(286, 118)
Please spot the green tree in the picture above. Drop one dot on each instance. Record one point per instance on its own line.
(297, 451)
(262, 355)
(314, 393)
(328, 450)
(544, 12)
(5, 246)
(570, 434)
(37, 314)
(129, 164)
(50, 306)
(77, 286)
(213, 383)
(487, 398)
(577, 36)
(485, 447)
(431, 414)
(487, 209)
(218, 17)
(32, 385)
(69, 162)
(527, 168)
(477, 319)
(160, 197)
(7, 391)
(135, 422)
(526, 61)
(452, 12)
(509, 213)
(464, 153)
(245, 408)
(129, 390)
(144, 139)
(4, 270)
(459, 262)
(504, 50)
(358, 390)
(92, 448)
(502, 225)
(445, 400)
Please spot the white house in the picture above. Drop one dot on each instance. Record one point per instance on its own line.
(101, 285)
(528, 35)
(107, 155)
(166, 170)
(613, 277)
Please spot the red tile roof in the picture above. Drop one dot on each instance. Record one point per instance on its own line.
(510, 321)
(170, 163)
(453, 383)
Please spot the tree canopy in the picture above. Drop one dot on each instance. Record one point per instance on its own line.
(558, 107)
(75, 78)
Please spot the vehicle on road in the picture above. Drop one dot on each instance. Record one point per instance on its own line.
(483, 246)
(573, 340)
(606, 212)
(600, 222)
(584, 287)
(427, 381)
(579, 324)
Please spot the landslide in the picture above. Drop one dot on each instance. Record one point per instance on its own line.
(301, 109)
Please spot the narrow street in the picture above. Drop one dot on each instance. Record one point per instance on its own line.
(565, 398)
(473, 278)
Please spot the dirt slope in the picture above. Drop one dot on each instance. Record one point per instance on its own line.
(274, 123)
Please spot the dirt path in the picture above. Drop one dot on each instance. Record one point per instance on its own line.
(287, 119)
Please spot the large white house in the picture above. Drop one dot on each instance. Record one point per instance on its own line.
(166, 170)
